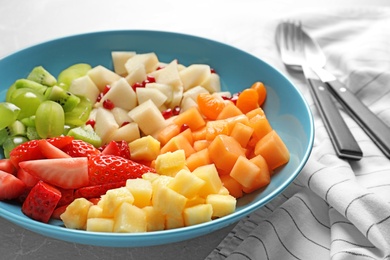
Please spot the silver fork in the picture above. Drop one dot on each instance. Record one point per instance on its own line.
(290, 39)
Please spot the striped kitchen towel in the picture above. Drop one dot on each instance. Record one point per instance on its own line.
(335, 209)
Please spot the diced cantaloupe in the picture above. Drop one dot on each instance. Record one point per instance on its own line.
(129, 219)
(186, 183)
(263, 178)
(100, 224)
(209, 174)
(170, 163)
(234, 187)
(260, 125)
(273, 149)
(222, 205)
(75, 215)
(201, 144)
(224, 151)
(155, 219)
(244, 171)
(230, 110)
(242, 133)
(198, 158)
(168, 133)
(215, 128)
(145, 148)
(141, 190)
(192, 118)
(178, 142)
(197, 214)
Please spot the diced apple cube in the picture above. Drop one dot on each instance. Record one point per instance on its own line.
(138, 74)
(170, 163)
(149, 60)
(75, 215)
(163, 88)
(145, 148)
(155, 219)
(212, 83)
(194, 92)
(119, 58)
(169, 202)
(194, 75)
(168, 75)
(209, 174)
(177, 96)
(222, 204)
(186, 183)
(187, 103)
(130, 219)
(121, 115)
(84, 86)
(121, 94)
(197, 214)
(141, 190)
(100, 224)
(148, 117)
(105, 124)
(144, 94)
(102, 76)
(112, 200)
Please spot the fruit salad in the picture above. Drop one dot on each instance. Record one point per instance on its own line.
(144, 146)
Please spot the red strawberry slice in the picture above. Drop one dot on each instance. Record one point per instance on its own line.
(60, 141)
(10, 186)
(118, 148)
(41, 202)
(79, 148)
(27, 178)
(110, 169)
(50, 151)
(96, 191)
(7, 166)
(67, 196)
(66, 173)
(58, 211)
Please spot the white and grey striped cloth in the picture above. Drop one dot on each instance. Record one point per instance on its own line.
(335, 209)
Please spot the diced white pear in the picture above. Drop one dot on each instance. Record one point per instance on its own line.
(105, 124)
(121, 94)
(148, 117)
(138, 74)
(194, 92)
(223, 94)
(92, 114)
(128, 132)
(177, 96)
(212, 83)
(84, 86)
(121, 115)
(149, 60)
(168, 75)
(180, 67)
(102, 76)
(187, 103)
(119, 58)
(144, 94)
(194, 75)
(163, 88)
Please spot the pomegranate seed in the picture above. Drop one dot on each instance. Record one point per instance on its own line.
(125, 123)
(234, 98)
(106, 89)
(91, 122)
(184, 127)
(107, 104)
(212, 70)
(167, 113)
(99, 97)
(226, 98)
(159, 67)
(136, 85)
(151, 79)
(176, 110)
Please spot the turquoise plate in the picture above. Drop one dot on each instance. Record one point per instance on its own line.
(286, 109)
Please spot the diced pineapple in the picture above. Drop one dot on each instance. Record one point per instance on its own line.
(141, 190)
(209, 174)
(102, 76)
(119, 59)
(194, 75)
(174, 222)
(112, 200)
(129, 218)
(170, 163)
(150, 176)
(75, 215)
(197, 214)
(95, 211)
(161, 181)
(222, 204)
(100, 224)
(195, 201)
(155, 219)
(168, 201)
(223, 191)
(186, 183)
(145, 148)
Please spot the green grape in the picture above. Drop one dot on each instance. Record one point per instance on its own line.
(49, 119)
(8, 114)
(10, 91)
(27, 100)
(80, 114)
(75, 71)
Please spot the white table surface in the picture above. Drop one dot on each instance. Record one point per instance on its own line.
(25, 23)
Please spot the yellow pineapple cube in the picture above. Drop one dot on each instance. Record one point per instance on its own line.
(95, 211)
(168, 201)
(141, 190)
(112, 200)
(223, 191)
(186, 183)
(100, 224)
(197, 214)
(75, 215)
(172, 222)
(155, 219)
(145, 148)
(222, 204)
(209, 174)
(129, 218)
(150, 176)
(161, 181)
(171, 162)
(195, 201)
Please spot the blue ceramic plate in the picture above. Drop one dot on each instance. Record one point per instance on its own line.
(285, 107)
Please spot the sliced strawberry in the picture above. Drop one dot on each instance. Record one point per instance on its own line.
(27, 178)
(25, 152)
(58, 211)
(50, 151)
(67, 196)
(7, 166)
(96, 191)
(10, 186)
(60, 141)
(66, 173)
(110, 169)
(41, 202)
(79, 148)
(118, 148)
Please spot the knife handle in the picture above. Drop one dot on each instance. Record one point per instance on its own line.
(343, 141)
(375, 128)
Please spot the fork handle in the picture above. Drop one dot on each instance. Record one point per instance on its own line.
(375, 128)
(343, 141)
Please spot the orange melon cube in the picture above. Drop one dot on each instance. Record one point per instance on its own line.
(263, 178)
(242, 133)
(258, 111)
(244, 171)
(260, 125)
(191, 117)
(179, 142)
(200, 145)
(168, 133)
(217, 127)
(197, 159)
(199, 134)
(233, 186)
(230, 110)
